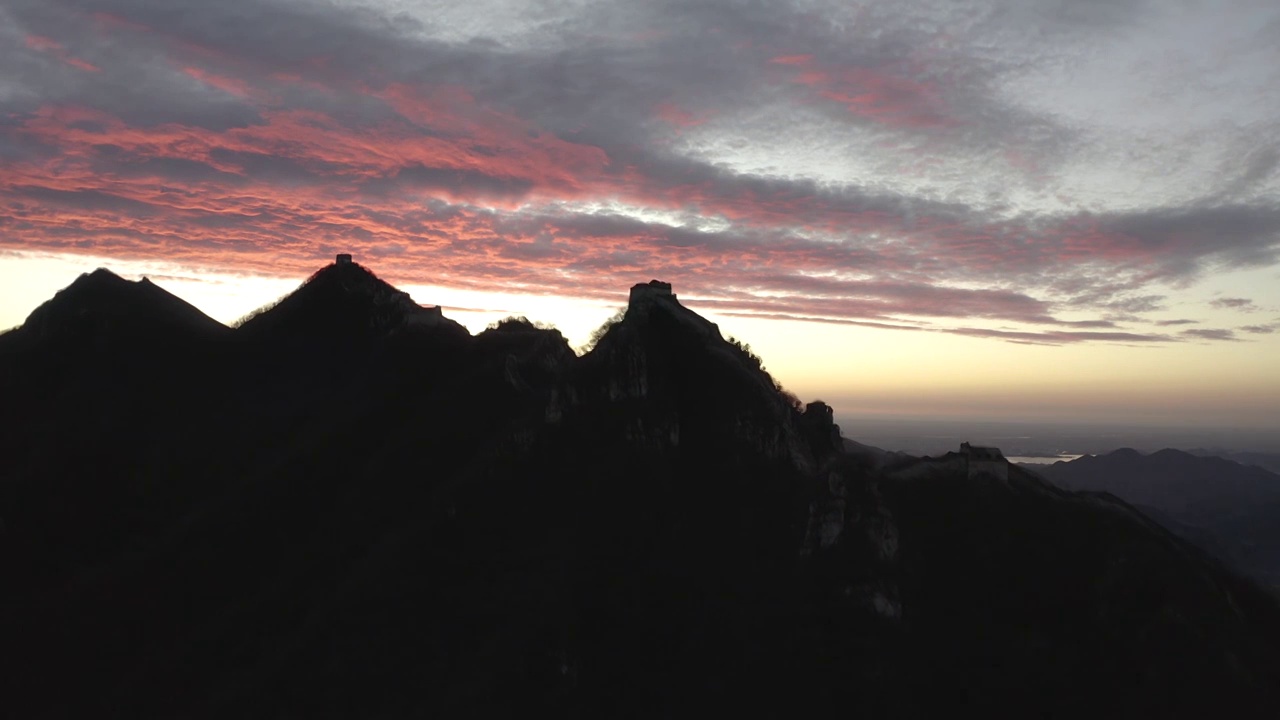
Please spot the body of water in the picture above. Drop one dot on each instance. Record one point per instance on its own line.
(1042, 460)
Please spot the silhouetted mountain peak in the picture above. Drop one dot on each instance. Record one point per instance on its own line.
(656, 296)
(93, 283)
(652, 291)
(1171, 455)
(354, 281)
(103, 302)
(687, 375)
(655, 323)
(344, 300)
(98, 276)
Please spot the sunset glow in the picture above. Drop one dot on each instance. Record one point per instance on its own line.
(889, 203)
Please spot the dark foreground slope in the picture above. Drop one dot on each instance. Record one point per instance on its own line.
(389, 517)
(1229, 508)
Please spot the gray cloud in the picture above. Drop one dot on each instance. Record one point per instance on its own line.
(1059, 337)
(1233, 303)
(1210, 334)
(1261, 329)
(931, 188)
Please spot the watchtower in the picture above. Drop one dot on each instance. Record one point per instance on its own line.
(985, 461)
(651, 289)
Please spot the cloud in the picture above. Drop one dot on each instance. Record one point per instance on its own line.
(1261, 329)
(54, 48)
(880, 94)
(875, 167)
(1210, 334)
(1233, 303)
(1059, 337)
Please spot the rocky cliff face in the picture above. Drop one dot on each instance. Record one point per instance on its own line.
(421, 522)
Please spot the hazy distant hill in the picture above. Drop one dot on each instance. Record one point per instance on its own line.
(1266, 461)
(350, 506)
(1233, 508)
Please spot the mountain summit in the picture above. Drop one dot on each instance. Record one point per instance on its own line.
(355, 508)
(102, 303)
(342, 300)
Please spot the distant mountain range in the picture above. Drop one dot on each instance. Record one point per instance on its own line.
(1266, 461)
(1229, 508)
(350, 506)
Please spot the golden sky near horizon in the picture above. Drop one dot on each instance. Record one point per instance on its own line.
(861, 371)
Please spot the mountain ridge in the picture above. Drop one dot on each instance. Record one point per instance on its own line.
(99, 300)
(342, 299)
(369, 519)
(1230, 505)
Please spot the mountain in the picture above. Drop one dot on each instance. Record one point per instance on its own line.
(384, 517)
(1267, 461)
(99, 385)
(1231, 508)
(343, 301)
(101, 305)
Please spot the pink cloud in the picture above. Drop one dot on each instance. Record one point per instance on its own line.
(230, 85)
(477, 168)
(677, 116)
(881, 94)
(109, 21)
(464, 194)
(43, 44)
(55, 48)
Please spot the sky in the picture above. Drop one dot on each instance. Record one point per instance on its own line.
(1033, 209)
